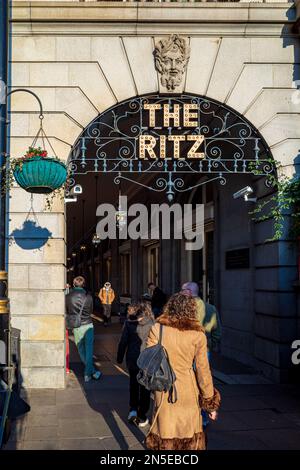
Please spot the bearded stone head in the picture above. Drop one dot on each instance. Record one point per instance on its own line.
(171, 58)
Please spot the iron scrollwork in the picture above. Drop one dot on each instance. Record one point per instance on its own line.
(110, 144)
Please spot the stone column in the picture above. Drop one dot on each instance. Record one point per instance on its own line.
(275, 300)
(169, 275)
(36, 288)
(136, 270)
(115, 273)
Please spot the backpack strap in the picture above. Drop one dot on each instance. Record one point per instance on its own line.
(172, 398)
(160, 333)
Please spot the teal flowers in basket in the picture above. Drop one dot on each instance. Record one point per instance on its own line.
(37, 174)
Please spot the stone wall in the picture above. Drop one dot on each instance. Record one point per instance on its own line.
(82, 58)
(36, 282)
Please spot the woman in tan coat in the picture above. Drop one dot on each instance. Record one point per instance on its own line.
(178, 426)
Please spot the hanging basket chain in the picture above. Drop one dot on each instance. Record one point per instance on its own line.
(42, 131)
(42, 135)
(37, 137)
(34, 172)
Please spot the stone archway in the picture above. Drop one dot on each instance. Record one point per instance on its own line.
(170, 136)
(110, 144)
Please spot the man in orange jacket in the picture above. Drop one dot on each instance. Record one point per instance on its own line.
(107, 295)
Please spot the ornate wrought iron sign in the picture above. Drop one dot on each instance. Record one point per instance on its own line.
(168, 137)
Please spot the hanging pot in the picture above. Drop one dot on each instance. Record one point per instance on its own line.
(40, 175)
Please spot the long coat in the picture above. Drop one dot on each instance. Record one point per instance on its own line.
(178, 426)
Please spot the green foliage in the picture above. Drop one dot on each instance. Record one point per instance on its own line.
(56, 194)
(286, 200)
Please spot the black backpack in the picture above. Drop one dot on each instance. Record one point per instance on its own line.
(156, 373)
(73, 320)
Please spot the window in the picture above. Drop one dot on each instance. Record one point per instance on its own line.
(153, 264)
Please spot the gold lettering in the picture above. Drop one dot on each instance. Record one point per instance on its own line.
(147, 144)
(162, 146)
(176, 139)
(187, 115)
(171, 115)
(152, 107)
(192, 153)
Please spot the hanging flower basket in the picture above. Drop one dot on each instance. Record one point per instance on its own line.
(41, 176)
(38, 174)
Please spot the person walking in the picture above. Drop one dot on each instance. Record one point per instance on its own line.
(207, 315)
(158, 299)
(107, 296)
(178, 426)
(133, 340)
(209, 319)
(147, 299)
(79, 309)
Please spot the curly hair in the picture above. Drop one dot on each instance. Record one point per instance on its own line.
(181, 312)
(181, 306)
(131, 310)
(142, 309)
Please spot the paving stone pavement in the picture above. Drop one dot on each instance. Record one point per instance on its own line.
(93, 416)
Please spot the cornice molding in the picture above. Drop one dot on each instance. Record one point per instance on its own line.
(152, 12)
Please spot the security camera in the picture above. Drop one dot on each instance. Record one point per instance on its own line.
(245, 193)
(70, 198)
(77, 189)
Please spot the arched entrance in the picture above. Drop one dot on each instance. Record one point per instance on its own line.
(179, 149)
(170, 137)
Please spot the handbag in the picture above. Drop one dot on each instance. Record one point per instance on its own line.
(74, 320)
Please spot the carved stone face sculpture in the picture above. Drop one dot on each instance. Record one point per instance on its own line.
(171, 59)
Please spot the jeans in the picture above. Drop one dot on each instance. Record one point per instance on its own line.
(84, 340)
(139, 396)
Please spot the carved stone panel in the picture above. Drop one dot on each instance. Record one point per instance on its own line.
(171, 56)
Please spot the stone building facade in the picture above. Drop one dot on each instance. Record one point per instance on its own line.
(82, 58)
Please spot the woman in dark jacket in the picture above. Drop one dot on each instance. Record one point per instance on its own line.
(133, 340)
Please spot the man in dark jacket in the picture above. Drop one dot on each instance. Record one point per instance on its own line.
(79, 309)
(158, 299)
(133, 340)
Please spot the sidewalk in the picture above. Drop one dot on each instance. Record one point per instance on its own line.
(254, 416)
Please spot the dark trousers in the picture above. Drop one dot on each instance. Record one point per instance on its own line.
(107, 313)
(139, 396)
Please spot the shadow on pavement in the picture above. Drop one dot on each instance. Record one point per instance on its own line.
(109, 397)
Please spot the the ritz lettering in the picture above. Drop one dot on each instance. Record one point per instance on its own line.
(170, 146)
